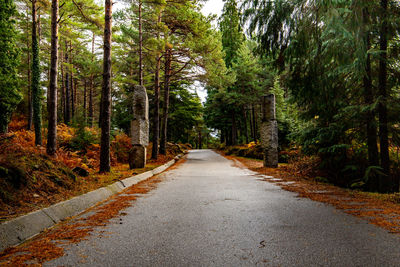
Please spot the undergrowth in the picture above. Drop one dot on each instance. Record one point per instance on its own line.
(30, 179)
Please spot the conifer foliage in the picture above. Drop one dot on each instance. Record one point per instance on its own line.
(9, 87)
(338, 61)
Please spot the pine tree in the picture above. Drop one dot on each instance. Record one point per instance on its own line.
(9, 94)
(385, 182)
(106, 93)
(52, 101)
(35, 83)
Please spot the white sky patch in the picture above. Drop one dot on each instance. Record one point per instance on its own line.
(213, 7)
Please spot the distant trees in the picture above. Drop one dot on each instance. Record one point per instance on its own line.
(234, 109)
(9, 85)
(338, 62)
(164, 45)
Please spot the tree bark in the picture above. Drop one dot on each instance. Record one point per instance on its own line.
(85, 101)
(373, 157)
(30, 105)
(234, 129)
(91, 107)
(200, 139)
(91, 89)
(163, 142)
(253, 125)
(67, 109)
(106, 92)
(28, 48)
(36, 92)
(246, 132)
(386, 182)
(156, 115)
(140, 45)
(72, 83)
(52, 101)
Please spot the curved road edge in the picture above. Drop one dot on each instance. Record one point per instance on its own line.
(18, 230)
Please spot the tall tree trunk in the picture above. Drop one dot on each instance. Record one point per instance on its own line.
(67, 109)
(200, 139)
(140, 45)
(106, 92)
(99, 122)
(71, 83)
(91, 88)
(28, 49)
(52, 101)
(234, 129)
(91, 107)
(254, 123)
(246, 132)
(75, 88)
(62, 90)
(63, 100)
(156, 115)
(85, 101)
(36, 92)
(30, 105)
(73, 96)
(386, 182)
(251, 123)
(39, 27)
(163, 142)
(373, 157)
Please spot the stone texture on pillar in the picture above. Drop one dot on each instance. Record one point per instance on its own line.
(139, 128)
(269, 132)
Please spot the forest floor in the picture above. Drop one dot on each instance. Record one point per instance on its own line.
(31, 180)
(382, 210)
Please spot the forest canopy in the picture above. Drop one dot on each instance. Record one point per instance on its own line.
(333, 67)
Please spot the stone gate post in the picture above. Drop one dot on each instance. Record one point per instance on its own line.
(269, 132)
(139, 128)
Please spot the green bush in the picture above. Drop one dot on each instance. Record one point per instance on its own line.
(84, 138)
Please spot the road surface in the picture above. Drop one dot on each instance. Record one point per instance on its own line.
(208, 212)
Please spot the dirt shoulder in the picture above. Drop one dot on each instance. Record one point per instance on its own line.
(379, 209)
(31, 180)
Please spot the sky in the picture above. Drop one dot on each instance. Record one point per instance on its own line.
(210, 7)
(213, 7)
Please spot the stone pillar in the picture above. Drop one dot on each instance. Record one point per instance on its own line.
(139, 128)
(269, 132)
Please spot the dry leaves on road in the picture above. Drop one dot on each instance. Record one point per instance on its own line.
(377, 209)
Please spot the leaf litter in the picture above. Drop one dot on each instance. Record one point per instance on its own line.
(49, 245)
(378, 209)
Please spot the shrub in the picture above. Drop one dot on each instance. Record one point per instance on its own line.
(84, 138)
(121, 147)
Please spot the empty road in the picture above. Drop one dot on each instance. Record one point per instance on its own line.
(207, 212)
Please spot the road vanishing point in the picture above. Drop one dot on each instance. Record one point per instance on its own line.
(208, 212)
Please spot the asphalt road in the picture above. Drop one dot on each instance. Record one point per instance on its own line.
(207, 212)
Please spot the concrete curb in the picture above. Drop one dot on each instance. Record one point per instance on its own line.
(20, 229)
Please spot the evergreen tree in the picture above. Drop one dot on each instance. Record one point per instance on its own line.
(52, 101)
(35, 83)
(9, 91)
(229, 26)
(106, 93)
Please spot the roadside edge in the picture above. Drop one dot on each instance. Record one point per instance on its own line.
(18, 230)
